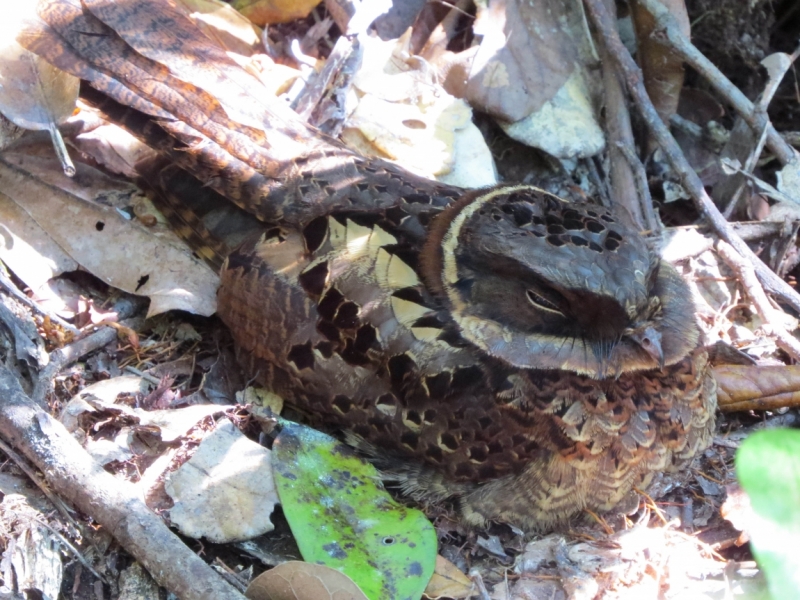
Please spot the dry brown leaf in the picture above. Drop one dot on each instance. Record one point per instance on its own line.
(262, 12)
(662, 68)
(448, 581)
(745, 387)
(99, 238)
(530, 72)
(524, 58)
(295, 580)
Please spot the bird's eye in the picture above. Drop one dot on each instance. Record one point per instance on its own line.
(539, 301)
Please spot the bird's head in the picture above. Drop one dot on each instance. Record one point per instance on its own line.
(542, 283)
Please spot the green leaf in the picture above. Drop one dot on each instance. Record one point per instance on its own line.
(768, 467)
(342, 518)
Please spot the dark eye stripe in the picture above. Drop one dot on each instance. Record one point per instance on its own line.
(541, 302)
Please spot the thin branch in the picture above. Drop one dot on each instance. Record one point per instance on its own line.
(12, 289)
(668, 33)
(632, 76)
(769, 316)
(71, 353)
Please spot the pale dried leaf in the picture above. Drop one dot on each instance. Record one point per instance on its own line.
(789, 180)
(33, 93)
(102, 240)
(225, 492)
(295, 580)
(401, 113)
(565, 126)
(171, 424)
(27, 249)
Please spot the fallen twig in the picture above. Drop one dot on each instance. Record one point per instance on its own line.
(746, 275)
(67, 544)
(669, 33)
(625, 167)
(113, 503)
(12, 289)
(690, 180)
(24, 466)
(69, 354)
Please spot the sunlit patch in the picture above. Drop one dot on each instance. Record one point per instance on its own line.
(393, 273)
(408, 312)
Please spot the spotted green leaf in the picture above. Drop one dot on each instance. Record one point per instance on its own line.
(342, 518)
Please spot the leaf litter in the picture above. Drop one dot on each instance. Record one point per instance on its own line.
(726, 315)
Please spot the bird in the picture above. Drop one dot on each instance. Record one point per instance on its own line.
(523, 355)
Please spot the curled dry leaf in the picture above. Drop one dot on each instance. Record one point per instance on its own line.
(448, 581)
(530, 73)
(744, 387)
(33, 93)
(295, 580)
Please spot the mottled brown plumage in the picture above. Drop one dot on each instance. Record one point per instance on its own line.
(528, 356)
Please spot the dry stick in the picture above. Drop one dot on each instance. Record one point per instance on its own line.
(312, 94)
(668, 28)
(69, 354)
(12, 289)
(77, 553)
(691, 182)
(25, 467)
(746, 275)
(623, 172)
(640, 176)
(113, 503)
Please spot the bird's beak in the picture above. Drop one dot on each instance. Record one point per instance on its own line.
(650, 341)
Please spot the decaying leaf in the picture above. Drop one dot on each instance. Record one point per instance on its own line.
(28, 250)
(83, 221)
(341, 517)
(33, 93)
(225, 492)
(295, 580)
